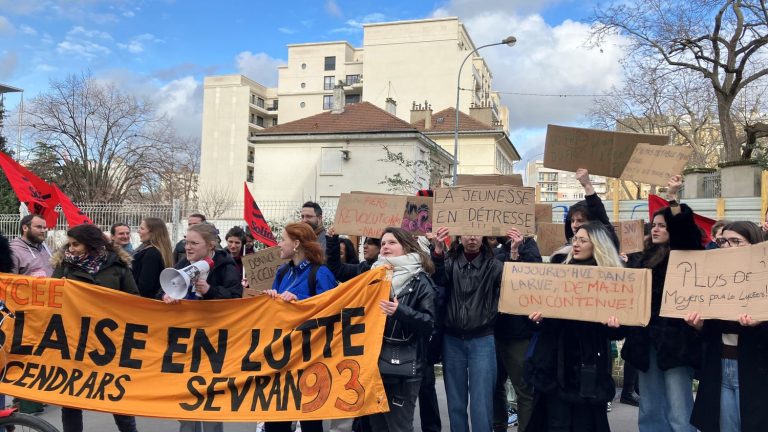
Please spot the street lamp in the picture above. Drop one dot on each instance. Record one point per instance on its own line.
(508, 41)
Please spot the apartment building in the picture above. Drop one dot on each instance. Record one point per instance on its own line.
(405, 62)
(556, 185)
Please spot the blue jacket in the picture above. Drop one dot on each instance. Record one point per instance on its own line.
(295, 279)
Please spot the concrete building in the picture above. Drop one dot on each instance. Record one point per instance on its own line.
(322, 156)
(556, 185)
(403, 61)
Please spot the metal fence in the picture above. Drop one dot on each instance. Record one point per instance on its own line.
(277, 213)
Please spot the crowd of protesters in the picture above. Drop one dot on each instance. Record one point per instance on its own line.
(443, 308)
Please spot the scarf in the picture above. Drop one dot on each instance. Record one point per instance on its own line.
(405, 268)
(91, 263)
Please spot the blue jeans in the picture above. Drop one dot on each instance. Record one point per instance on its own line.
(730, 416)
(666, 398)
(469, 370)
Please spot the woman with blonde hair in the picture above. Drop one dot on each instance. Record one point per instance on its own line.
(154, 255)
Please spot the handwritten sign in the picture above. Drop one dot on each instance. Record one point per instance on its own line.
(631, 235)
(484, 210)
(498, 180)
(656, 164)
(601, 152)
(583, 293)
(550, 237)
(717, 283)
(418, 215)
(260, 269)
(368, 214)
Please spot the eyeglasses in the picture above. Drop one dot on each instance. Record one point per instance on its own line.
(579, 240)
(732, 242)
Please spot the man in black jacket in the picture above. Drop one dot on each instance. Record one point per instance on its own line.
(472, 279)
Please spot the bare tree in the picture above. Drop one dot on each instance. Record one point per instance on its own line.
(175, 177)
(412, 174)
(106, 140)
(214, 201)
(720, 41)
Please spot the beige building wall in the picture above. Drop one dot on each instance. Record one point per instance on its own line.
(479, 154)
(232, 108)
(315, 168)
(556, 185)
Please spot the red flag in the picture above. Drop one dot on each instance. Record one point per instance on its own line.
(256, 222)
(30, 189)
(74, 215)
(655, 203)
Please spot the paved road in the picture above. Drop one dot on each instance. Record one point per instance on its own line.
(623, 418)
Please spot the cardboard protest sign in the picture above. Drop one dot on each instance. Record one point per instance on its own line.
(550, 237)
(718, 283)
(260, 270)
(631, 235)
(583, 293)
(498, 180)
(656, 164)
(418, 215)
(485, 210)
(368, 214)
(543, 213)
(601, 152)
(83, 346)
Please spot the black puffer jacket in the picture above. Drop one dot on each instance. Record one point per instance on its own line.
(594, 210)
(413, 320)
(223, 279)
(515, 327)
(472, 293)
(342, 271)
(114, 273)
(676, 343)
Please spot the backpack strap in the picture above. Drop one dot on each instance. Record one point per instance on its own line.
(280, 274)
(312, 281)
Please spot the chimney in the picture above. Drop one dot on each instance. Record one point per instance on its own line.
(337, 107)
(422, 112)
(482, 113)
(391, 106)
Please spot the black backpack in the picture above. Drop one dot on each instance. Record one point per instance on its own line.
(311, 282)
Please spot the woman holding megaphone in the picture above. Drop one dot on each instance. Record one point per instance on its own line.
(222, 282)
(223, 279)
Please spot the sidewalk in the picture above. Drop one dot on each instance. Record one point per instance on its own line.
(623, 418)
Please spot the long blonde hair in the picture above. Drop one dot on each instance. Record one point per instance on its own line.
(159, 239)
(603, 249)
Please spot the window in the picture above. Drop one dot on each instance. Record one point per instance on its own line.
(259, 121)
(303, 65)
(327, 102)
(274, 122)
(250, 155)
(302, 104)
(253, 118)
(330, 63)
(330, 160)
(351, 99)
(352, 79)
(328, 83)
(260, 102)
(249, 179)
(503, 165)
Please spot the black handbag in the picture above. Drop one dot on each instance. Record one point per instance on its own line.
(398, 357)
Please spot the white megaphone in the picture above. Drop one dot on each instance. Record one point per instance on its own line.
(175, 282)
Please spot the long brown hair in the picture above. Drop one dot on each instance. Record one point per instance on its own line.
(91, 237)
(305, 235)
(410, 245)
(159, 238)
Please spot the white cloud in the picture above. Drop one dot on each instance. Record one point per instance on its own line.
(27, 30)
(547, 59)
(467, 9)
(82, 42)
(286, 30)
(259, 67)
(333, 8)
(129, 14)
(355, 25)
(6, 28)
(136, 45)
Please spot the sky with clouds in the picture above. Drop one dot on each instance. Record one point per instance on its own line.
(164, 48)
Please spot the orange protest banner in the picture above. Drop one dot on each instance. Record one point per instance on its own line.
(83, 346)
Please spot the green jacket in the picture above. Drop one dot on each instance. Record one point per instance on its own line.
(115, 273)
